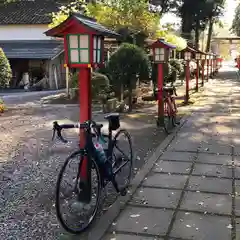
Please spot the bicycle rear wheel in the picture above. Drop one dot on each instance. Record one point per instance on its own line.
(75, 216)
(168, 119)
(122, 160)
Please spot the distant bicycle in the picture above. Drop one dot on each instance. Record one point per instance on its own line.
(170, 108)
(106, 162)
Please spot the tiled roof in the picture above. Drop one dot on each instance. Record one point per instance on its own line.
(92, 23)
(29, 11)
(32, 49)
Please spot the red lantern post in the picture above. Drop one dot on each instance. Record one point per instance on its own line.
(84, 49)
(198, 57)
(203, 67)
(161, 54)
(207, 67)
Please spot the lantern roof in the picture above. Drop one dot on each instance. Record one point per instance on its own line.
(162, 43)
(87, 22)
(189, 49)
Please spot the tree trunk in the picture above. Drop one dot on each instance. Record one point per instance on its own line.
(186, 25)
(210, 30)
(130, 97)
(197, 34)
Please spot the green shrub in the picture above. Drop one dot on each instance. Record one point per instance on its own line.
(5, 70)
(2, 106)
(101, 88)
(178, 65)
(128, 64)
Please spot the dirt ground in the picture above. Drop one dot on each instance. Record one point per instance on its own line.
(30, 162)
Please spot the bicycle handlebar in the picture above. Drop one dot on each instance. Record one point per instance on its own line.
(86, 125)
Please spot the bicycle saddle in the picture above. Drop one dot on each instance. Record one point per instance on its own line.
(168, 88)
(111, 116)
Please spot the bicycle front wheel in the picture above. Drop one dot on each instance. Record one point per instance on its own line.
(75, 216)
(122, 160)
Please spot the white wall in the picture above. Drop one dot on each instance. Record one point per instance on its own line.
(23, 32)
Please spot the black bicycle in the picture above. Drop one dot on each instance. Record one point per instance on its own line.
(78, 200)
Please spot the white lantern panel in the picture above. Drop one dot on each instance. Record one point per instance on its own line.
(95, 55)
(73, 41)
(74, 55)
(84, 56)
(99, 56)
(162, 50)
(157, 58)
(94, 42)
(99, 42)
(162, 57)
(84, 41)
(157, 50)
(198, 56)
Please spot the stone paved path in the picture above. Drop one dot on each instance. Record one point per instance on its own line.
(193, 190)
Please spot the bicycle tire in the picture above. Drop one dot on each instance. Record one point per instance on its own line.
(168, 121)
(57, 202)
(122, 188)
(174, 117)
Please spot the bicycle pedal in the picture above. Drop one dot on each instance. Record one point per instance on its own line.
(123, 192)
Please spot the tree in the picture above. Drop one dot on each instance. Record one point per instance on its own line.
(5, 70)
(197, 14)
(128, 64)
(164, 6)
(131, 18)
(236, 21)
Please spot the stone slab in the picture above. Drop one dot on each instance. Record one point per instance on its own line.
(166, 180)
(157, 197)
(204, 202)
(237, 198)
(183, 144)
(215, 148)
(237, 228)
(237, 172)
(128, 237)
(216, 185)
(143, 220)
(173, 167)
(214, 159)
(178, 156)
(213, 170)
(201, 227)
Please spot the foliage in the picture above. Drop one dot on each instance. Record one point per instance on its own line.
(196, 14)
(179, 42)
(164, 6)
(177, 64)
(5, 70)
(2, 106)
(101, 88)
(236, 21)
(133, 15)
(127, 65)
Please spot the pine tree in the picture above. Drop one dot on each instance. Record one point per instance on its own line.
(5, 70)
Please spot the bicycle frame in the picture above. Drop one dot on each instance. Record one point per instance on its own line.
(90, 151)
(169, 101)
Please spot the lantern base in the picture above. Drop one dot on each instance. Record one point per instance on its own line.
(85, 195)
(160, 121)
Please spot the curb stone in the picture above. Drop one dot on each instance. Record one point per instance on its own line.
(100, 228)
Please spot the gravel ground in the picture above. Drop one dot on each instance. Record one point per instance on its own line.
(30, 162)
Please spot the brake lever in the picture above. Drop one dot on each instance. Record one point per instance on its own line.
(61, 137)
(54, 132)
(57, 128)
